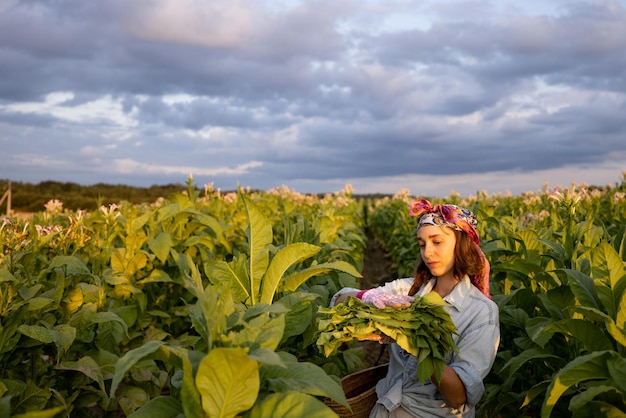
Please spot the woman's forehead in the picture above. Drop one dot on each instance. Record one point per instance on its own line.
(429, 231)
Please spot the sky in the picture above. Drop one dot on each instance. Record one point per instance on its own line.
(432, 96)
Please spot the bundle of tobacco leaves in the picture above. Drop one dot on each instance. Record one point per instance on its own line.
(423, 329)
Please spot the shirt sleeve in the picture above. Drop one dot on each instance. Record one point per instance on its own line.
(477, 352)
(398, 286)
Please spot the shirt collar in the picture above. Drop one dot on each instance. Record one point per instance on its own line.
(457, 297)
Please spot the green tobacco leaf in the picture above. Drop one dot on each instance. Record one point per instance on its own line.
(259, 239)
(124, 263)
(559, 250)
(617, 333)
(192, 403)
(620, 320)
(35, 397)
(296, 280)
(62, 335)
(291, 405)
(234, 273)
(206, 220)
(156, 276)
(87, 366)
(607, 265)
(134, 239)
(589, 367)
(584, 331)
(538, 390)
(262, 331)
(161, 246)
(300, 312)
(165, 212)
(131, 358)
(617, 369)
(557, 300)
(523, 267)
(583, 288)
(38, 303)
(598, 409)
(265, 356)
(581, 400)
(29, 292)
(72, 301)
(6, 276)
(530, 238)
(159, 407)
(109, 317)
(228, 382)
(71, 265)
(515, 363)
(282, 260)
(190, 397)
(130, 398)
(45, 413)
(534, 328)
(39, 333)
(302, 377)
(189, 272)
(66, 334)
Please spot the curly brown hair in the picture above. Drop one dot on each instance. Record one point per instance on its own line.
(467, 261)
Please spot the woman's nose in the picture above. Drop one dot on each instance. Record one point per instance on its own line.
(427, 250)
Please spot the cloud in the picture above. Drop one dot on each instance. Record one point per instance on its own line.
(312, 92)
(129, 166)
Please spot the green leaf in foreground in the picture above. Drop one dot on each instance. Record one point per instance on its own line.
(302, 377)
(228, 382)
(597, 365)
(291, 405)
(159, 407)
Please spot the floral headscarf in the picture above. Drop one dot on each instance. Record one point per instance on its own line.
(458, 218)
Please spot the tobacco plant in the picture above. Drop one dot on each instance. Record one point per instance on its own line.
(126, 319)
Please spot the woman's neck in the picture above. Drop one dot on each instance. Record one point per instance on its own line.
(444, 285)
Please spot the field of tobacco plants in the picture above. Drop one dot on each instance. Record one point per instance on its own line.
(205, 304)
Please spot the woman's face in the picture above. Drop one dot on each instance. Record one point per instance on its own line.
(437, 249)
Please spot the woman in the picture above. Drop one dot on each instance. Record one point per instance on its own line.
(452, 264)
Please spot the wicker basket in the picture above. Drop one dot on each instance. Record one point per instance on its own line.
(360, 390)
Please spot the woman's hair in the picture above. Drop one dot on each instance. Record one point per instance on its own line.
(467, 261)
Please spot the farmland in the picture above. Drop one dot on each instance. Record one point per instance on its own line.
(204, 303)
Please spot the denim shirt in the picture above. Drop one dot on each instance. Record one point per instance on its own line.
(477, 320)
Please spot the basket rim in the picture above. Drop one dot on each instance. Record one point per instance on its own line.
(365, 400)
(364, 378)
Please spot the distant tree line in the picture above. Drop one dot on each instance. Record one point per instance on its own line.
(27, 197)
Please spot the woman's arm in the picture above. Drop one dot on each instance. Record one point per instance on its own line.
(451, 387)
(477, 351)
